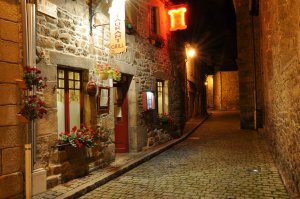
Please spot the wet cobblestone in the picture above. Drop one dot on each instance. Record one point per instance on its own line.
(217, 161)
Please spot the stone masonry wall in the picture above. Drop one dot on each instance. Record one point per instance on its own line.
(67, 41)
(226, 90)
(247, 62)
(12, 133)
(280, 59)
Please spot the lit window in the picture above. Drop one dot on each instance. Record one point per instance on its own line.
(162, 96)
(69, 99)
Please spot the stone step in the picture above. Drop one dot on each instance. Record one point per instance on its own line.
(54, 169)
(53, 181)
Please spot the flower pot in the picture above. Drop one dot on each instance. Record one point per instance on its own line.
(103, 76)
(21, 83)
(91, 88)
(22, 119)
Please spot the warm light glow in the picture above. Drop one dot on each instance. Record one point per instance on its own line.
(191, 52)
(177, 19)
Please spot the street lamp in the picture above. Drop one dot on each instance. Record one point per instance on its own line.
(191, 52)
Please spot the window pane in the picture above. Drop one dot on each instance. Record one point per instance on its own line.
(77, 85)
(60, 110)
(71, 75)
(71, 84)
(61, 74)
(77, 76)
(74, 108)
(61, 83)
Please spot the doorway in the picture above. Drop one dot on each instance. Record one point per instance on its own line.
(121, 114)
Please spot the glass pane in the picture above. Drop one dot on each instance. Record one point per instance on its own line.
(71, 84)
(77, 85)
(61, 83)
(118, 102)
(77, 76)
(61, 74)
(71, 75)
(74, 108)
(160, 102)
(60, 110)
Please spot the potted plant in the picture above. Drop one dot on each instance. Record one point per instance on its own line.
(129, 27)
(33, 107)
(165, 118)
(78, 137)
(105, 70)
(32, 77)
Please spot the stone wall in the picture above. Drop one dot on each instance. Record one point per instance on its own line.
(12, 132)
(280, 60)
(67, 41)
(247, 61)
(226, 90)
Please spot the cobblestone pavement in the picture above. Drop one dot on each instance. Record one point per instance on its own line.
(217, 161)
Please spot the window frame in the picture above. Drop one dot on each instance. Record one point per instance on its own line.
(162, 93)
(154, 20)
(67, 96)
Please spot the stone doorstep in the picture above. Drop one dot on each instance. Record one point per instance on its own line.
(93, 183)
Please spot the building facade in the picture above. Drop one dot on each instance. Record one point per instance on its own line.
(69, 46)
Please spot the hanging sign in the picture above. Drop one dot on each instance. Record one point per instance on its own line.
(47, 8)
(177, 19)
(117, 27)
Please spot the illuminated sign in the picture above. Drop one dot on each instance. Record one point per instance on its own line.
(177, 19)
(117, 27)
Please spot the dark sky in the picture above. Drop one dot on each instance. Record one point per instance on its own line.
(211, 26)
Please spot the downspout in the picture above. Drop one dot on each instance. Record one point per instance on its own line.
(254, 77)
(221, 90)
(28, 31)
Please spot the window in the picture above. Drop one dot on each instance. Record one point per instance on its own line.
(162, 96)
(154, 21)
(69, 99)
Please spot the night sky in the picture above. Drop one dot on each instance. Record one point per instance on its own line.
(212, 28)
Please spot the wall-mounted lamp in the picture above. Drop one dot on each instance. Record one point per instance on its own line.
(191, 52)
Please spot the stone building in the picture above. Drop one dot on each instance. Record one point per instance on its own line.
(269, 81)
(12, 133)
(68, 48)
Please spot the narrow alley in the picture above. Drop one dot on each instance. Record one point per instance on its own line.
(217, 161)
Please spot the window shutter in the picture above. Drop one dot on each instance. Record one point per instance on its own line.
(153, 101)
(144, 101)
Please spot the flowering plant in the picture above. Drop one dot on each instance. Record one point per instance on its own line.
(165, 118)
(33, 107)
(32, 77)
(109, 70)
(79, 137)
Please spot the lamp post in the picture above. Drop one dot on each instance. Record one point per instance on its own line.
(190, 76)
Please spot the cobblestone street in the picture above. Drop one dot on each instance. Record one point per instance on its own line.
(217, 161)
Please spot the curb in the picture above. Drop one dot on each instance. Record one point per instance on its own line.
(89, 186)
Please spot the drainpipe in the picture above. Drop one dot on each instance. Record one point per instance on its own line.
(254, 77)
(28, 22)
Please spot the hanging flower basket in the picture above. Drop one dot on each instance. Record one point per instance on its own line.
(91, 88)
(103, 76)
(105, 70)
(33, 107)
(22, 119)
(32, 77)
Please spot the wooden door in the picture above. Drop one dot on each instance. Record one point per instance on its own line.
(121, 118)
